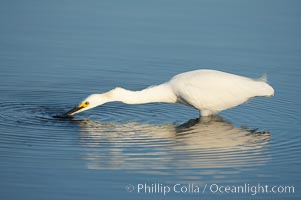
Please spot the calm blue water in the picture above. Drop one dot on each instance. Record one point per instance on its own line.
(55, 53)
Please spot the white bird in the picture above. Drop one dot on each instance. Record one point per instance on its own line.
(208, 91)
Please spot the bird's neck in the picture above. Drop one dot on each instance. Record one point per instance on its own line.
(159, 93)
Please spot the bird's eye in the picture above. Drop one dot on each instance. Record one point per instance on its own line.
(87, 103)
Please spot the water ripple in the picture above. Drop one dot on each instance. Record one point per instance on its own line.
(117, 136)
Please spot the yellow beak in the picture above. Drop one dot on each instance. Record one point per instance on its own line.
(75, 109)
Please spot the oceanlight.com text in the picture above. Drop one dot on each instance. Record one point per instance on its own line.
(191, 188)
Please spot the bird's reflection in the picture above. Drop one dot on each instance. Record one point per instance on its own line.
(209, 142)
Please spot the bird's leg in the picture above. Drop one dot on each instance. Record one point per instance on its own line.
(206, 113)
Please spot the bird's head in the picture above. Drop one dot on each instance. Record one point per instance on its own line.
(90, 102)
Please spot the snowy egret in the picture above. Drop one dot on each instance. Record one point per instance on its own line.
(208, 91)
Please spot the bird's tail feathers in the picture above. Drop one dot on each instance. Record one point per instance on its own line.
(263, 78)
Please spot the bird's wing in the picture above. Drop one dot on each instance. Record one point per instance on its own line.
(214, 91)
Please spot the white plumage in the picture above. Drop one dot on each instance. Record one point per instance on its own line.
(212, 91)
(209, 91)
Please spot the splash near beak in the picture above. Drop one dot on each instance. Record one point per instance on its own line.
(75, 109)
